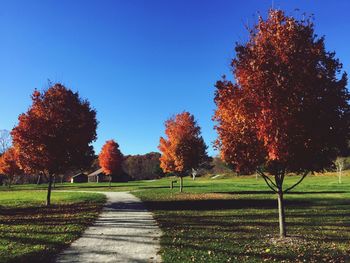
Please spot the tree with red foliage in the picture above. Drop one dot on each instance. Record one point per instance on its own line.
(55, 134)
(9, 165)
(111, 159)
(288, 111)
(184, 148)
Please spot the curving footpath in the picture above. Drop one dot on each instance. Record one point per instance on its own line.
(124, 232)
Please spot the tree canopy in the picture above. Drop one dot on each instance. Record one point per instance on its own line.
(288, 108)
(184, 147)
(9, 165)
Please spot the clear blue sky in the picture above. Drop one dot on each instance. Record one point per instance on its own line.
(137, 62)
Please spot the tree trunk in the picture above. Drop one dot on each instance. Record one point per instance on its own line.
(194, 173)
(48, 198)
(54, 181)
(39, 180)
(340, 174)
(110, 181)
(181, 184)
(281, 214)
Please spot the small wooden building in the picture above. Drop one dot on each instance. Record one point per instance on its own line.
(79, 178)
(99, 176)
(96, 176)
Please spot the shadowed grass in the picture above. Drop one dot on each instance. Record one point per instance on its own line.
(31, 232)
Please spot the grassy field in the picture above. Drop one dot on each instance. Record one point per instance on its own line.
(235, 219)
(30, 232)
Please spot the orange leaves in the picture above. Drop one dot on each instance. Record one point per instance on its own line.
(56, 132)
(286, 97)
(8, 163)
(110, 158)
(184, 148)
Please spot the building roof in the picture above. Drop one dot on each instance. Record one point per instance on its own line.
(97, 172)
(78, 175)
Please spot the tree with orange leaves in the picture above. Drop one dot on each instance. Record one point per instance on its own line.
(111, 159)
(55, 134)
(9, 165)
(184, 148)
(288, 111)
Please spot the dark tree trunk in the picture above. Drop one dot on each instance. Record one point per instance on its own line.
(281, 214)
(54, 181)
(48, 198)
(181, 184)
(110, 181)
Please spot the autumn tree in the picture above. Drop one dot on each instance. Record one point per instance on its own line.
(55, 134)
(288, 110)
(111, 159)
(9, 165)
(183, 149)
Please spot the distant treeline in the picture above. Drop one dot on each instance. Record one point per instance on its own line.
(139, 167)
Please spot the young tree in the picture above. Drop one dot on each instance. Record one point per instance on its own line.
(55, 134)
(9, 165)
(5, 141)
(287, 111)
(184, 148)
(339, 164)
(111, 159)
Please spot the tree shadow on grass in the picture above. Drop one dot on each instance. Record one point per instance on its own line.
(54, 215)
(212, 227)
(266, 192)
(218, 204)
(49, 230)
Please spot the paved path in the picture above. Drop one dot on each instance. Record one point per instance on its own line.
(124, 232)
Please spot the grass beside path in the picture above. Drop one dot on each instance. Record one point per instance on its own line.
(31, 232)
(236, 220)
(226, 219)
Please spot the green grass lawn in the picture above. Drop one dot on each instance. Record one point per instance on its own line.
(228, 219)
(30, 232)
(235, 220)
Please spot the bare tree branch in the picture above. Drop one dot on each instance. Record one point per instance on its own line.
(5, 140)
(267, 182)
(301, 179)
(265, 176)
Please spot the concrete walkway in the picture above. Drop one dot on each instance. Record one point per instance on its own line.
(124, 232)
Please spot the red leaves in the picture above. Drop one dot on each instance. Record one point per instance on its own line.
(286, 99)
(184, 148)
(8, 163)
(110, 158)
(56, 132)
